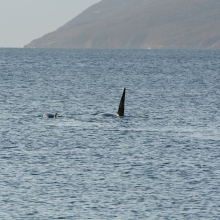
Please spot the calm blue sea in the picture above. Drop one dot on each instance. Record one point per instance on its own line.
(160, 161)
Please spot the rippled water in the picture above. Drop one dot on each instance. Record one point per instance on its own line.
(160, 161)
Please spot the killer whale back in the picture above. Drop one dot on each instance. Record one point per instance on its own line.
(121, 105)
(49, 115)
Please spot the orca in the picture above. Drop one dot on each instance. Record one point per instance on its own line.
(49, 115)
(121, 107)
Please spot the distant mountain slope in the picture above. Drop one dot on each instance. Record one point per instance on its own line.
(140, 24)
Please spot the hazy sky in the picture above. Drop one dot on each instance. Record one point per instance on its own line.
(22, 21)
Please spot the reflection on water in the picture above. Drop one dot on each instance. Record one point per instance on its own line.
(160, 161)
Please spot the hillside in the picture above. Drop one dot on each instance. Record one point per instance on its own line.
(140, 24)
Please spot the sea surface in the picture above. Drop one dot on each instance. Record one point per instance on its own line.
(160, 161)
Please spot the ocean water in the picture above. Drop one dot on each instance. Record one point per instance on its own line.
(160, 161)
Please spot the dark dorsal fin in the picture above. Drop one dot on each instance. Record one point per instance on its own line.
(121, 105)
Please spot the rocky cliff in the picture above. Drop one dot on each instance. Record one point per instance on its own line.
(140, 24)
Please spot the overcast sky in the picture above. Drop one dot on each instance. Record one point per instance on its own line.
(22, 21)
